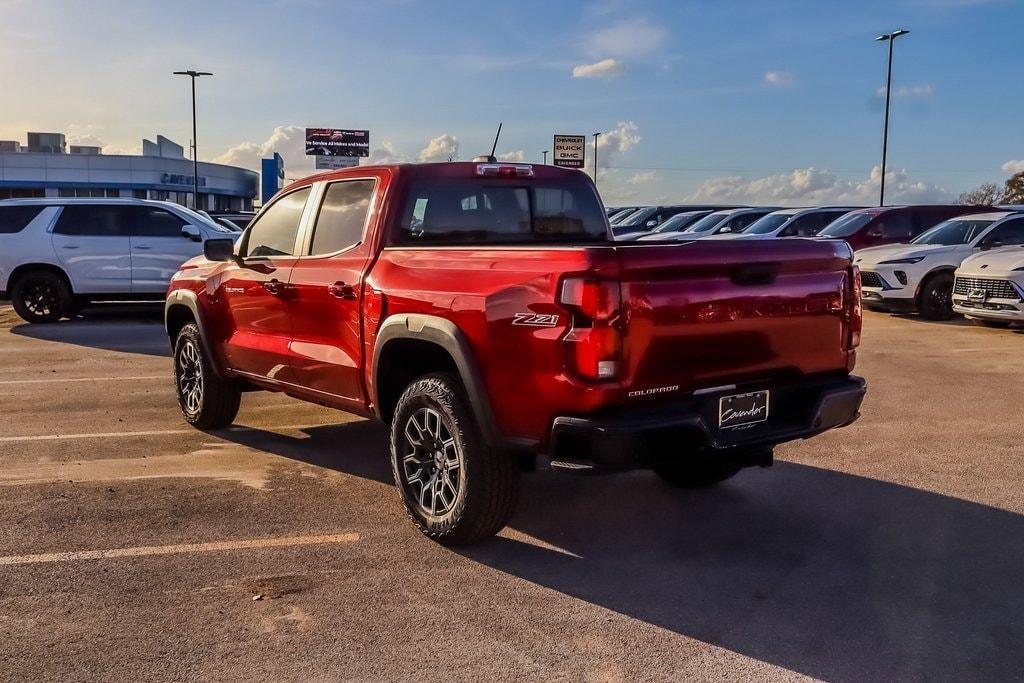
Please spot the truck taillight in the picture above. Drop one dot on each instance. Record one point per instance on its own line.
(856, 307)
(594, 342)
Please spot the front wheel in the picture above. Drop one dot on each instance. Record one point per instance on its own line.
(206, 400)
(935, 301)
(456, 488)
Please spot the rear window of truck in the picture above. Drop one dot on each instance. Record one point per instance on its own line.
(485, 211)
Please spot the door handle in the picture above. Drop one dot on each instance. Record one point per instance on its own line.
(70, 246)
(143, 246)
(274, 286)
(342, 291)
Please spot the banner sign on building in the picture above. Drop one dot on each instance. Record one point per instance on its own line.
(337, 142)
(569, 150)
(331, 163)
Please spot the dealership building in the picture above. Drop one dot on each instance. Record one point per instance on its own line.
(47, 167)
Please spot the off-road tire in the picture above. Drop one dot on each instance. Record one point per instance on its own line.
(695, 473)
(41, 296)
(488, 480)
(935, 302)
(218, 399)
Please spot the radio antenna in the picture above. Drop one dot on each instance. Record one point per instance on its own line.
(494, 147)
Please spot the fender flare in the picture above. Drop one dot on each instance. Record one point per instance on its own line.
(189, 299)
(448, 336)
(930, 274)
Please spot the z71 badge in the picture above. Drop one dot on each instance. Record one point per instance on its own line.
(535, 319)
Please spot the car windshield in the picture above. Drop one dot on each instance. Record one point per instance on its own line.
(196, 218)
(680, 221)
(846, 225)
(619, 215)
(708, 222)
(955, 231)
(637, 217)
(769, 223)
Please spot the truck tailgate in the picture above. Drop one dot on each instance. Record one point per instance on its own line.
(710, 313)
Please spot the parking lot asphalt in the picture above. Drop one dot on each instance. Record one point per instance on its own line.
(133, 547)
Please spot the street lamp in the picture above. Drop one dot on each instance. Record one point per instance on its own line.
(595, 158)
(890, 38)
(195, 144)
(545, 153)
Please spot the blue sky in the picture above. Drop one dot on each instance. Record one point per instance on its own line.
(731, 100)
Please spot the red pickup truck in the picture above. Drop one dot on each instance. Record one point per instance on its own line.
(484, 313)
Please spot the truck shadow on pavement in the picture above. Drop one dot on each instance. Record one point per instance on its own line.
(136, 328)
(825, 573)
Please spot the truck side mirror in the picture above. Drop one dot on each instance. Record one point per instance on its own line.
(219, 249)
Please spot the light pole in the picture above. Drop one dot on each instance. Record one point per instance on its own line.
(595, 158)
(890, 38)
(195, 144)
(545, 153)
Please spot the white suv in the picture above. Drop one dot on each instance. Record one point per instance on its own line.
(989, 287)
(919, 275)
(56, 254)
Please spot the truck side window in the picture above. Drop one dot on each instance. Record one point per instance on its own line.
(342, 216)
(273, 232)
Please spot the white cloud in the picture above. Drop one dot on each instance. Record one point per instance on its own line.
(444, 147)
(1014, 166)
(619, 140)
(87, 140)
(642, 178)
(632, 38)
(603, 69)
(518, 155)
(384, 153)
(288, 141)
(778, 78)
(813, 186)
(923, 90)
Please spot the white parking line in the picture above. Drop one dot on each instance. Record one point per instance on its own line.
(143, 551)
(155, 432)
(56, 380)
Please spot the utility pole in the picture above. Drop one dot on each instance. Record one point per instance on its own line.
(595, 158)
(889, 38)
(195, 145)
(545, 153)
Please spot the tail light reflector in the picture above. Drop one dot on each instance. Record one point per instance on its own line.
(856, 307)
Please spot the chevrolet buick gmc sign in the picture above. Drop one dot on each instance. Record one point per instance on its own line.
(337, 142)
(569, 150)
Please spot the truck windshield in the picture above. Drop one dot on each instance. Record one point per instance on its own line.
(485, 211)
(846, 225)
(952, 232)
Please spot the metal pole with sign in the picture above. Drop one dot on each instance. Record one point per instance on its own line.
(569, 151)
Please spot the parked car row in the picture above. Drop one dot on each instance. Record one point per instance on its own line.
(937, 260)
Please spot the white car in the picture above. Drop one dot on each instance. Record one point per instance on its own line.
(57, 254)
(805, 222)
(919, 276)
(989, 287)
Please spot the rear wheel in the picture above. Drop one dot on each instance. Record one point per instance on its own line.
(456, 488)
(696, 472)
(935, 301)
(206, 400)
(41, 296)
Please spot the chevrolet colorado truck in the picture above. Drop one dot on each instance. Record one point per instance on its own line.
(483, 312)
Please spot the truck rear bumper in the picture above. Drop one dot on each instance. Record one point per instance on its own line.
(638, 437)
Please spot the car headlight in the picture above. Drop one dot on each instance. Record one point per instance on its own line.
(901, 261)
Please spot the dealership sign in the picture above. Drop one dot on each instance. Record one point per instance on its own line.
(569, 150)
(330, 163)
(337, 142)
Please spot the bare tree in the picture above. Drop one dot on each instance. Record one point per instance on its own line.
(987, 194)
(1013, 193)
